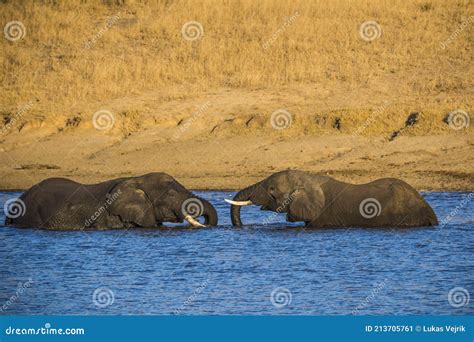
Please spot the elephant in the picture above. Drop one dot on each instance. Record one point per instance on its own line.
(322, 201)
(143, 201)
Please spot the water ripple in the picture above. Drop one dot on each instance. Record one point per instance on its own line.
(225, 270)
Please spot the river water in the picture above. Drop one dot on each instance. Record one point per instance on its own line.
(274, 269)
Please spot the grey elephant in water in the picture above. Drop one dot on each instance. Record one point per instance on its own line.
(321, 201)
(145, 201)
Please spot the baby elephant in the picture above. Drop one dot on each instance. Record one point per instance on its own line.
(322, 201)
(145, 201)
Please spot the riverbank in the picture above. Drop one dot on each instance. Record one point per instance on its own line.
(229, 138)
(438, 162)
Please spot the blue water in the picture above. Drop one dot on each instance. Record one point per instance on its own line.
(225, 270)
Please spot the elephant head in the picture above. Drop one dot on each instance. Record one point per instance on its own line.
(294, 192)
(155, 198)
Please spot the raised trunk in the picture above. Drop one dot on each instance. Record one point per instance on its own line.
(209, 214)
(242, 195)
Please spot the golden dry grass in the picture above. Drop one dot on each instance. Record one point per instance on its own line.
(315, 43)
(200, 110)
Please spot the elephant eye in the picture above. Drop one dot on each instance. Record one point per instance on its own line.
(271, 189)
(172, 193)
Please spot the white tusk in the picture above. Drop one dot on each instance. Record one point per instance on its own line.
(241, 203)
(193, 222)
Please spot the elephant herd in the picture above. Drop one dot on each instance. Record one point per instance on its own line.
(152, 199)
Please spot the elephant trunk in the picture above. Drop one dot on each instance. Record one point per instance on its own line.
(209, 213)
(242, 195)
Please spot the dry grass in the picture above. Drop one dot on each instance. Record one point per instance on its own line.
(315, 43)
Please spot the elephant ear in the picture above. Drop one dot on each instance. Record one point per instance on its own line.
(307, 203)
(131, 204)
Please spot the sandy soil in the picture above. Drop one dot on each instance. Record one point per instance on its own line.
(226, 141)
